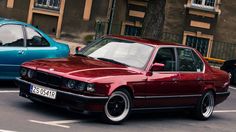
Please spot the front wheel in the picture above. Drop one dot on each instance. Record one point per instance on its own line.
(117, 107)
(205, 106)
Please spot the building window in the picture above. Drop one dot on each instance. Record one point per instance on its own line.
(204, 3)
(201, 44)
(48, 4)
(132, 30)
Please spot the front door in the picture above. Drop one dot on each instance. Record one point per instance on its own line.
(12, 50)
(163, 85)
(37, 46)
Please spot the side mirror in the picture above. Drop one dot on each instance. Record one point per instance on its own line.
(77, 49)
(158, 67)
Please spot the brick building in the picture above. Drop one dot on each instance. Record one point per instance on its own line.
(207, 25)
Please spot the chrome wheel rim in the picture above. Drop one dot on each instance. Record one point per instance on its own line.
(117, 106)
(207, 105)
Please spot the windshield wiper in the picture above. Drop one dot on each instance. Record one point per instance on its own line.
(82, 55)
(112, 61)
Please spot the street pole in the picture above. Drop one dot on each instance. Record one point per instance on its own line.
(111, 17)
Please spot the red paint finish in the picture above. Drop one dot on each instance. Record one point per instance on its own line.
(148, 88)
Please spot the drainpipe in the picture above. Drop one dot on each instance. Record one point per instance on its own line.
(111, 17)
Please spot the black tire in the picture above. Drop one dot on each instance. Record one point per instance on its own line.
(233, 78)
(118, 107)
(205, 106)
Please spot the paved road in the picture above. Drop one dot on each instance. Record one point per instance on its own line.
(21, 115)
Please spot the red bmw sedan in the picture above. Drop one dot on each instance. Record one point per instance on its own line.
(116, 75)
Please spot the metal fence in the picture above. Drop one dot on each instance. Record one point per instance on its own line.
(223, 50)
(101, 29)
(48, 4)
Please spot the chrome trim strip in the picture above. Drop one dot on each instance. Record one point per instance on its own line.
(222, 93)
(9, 65)
(162, 97)
(78, 95)
(163, 108)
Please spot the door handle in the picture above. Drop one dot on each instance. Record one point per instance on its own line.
(199, 79)
(174, 79)
(21, 52)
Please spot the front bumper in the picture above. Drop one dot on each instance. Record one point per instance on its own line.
(70, 101)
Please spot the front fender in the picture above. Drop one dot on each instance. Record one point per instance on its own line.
(116, 86)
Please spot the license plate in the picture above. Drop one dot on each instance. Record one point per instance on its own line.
(48, 93)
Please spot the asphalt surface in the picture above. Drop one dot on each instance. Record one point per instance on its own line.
(18, 114)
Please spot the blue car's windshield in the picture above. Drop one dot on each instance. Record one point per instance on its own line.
(120, 51)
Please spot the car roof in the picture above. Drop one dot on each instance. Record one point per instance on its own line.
(146, 41)
(11, 21)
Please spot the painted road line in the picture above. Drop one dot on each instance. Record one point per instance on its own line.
(232, 87)
(1, 130)
(9, 91)
(56, 123)
(225, 111)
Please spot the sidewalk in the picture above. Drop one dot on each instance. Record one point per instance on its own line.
(71, 44)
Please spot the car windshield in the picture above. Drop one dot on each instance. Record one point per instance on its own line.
(120, 52)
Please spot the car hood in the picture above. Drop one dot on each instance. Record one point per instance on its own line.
(82, 68)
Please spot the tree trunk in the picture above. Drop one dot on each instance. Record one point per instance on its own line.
(154, 19)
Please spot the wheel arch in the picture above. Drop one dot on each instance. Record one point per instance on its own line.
(129, 90)
(210, 88)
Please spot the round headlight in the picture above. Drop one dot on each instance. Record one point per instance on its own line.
(23, 71)
(71, 84)
(30, 74)
(81, 86)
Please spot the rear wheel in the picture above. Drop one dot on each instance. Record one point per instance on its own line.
(205, 106)
(233, 78)
(117, 107)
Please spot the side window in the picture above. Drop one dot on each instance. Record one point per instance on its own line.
(34, 39)
(11, 36)
(198, 62)
(166, 56)
(186, 60)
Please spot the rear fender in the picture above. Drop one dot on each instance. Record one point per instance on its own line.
(209, 87)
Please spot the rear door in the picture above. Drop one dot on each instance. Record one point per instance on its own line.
(191, 69)
(12, 50)
(37, 46)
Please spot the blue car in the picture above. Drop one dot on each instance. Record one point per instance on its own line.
(21, 42)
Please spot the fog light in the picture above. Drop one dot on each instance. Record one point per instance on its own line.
(23, 72)
(90, 88)
(71, 84)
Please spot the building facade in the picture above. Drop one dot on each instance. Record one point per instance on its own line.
(207, 25)
(57, 17)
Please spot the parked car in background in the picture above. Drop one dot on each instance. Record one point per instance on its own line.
(115, 75)
(230, 67)
(21, 42)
